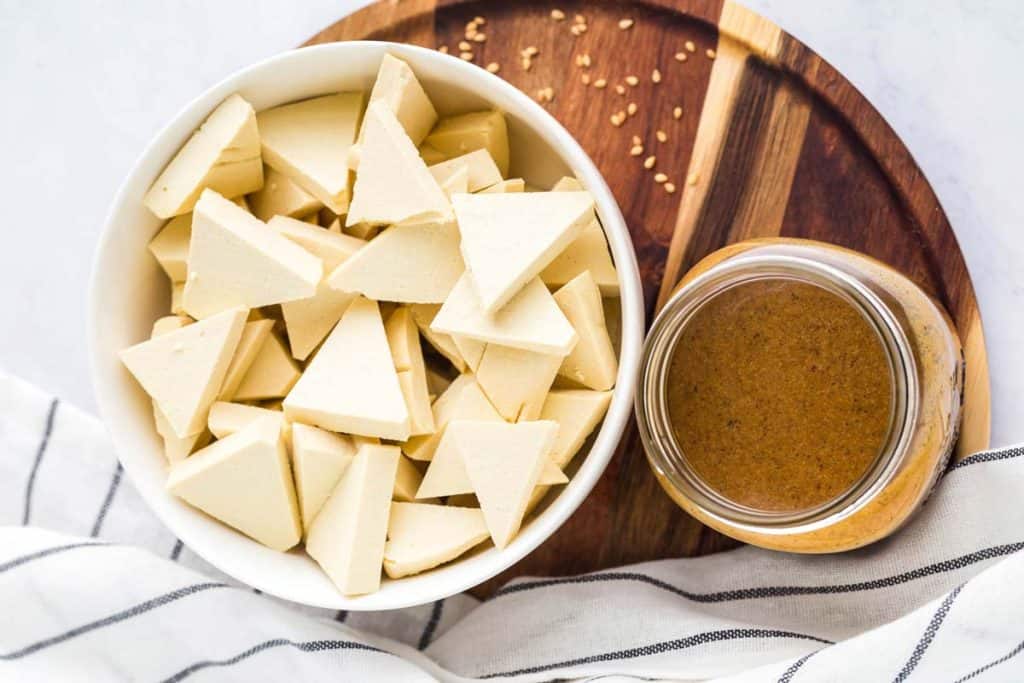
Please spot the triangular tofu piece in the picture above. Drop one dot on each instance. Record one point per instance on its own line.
(397, 87)
(177, 296)
(310, 320)
(455, 135)
(472, 350)
(183, 370)
(177, 448)
(462, 400)
(424, 315)
(517, 381)
(531, 320)
(567, 184)
(592, 361)
(407, 263)
(577, 412)
(319, 458)
(510, 185)
(589, 251)
(223, 155)
(272, 374)
(244, 481)
(407, 480)
(421, 537)
(227, 418)
(355, 357)
(254, 337)
(281, 196)
(393, 184)
(169, 323)
(482, 171)
(234, 260)
(508, 239)
(447, 474)
(457, 182)
(348, 534)
(309, 142)
(504, 463)
(170, 247)
(404, 341)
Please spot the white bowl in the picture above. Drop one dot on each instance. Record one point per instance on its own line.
(129, 291)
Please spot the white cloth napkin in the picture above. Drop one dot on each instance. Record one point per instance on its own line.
(93, 588)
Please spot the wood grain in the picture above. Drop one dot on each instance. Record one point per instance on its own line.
(775, 142)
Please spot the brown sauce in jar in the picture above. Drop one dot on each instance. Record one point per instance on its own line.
(779, 394)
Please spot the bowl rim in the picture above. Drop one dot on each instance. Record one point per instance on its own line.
(478, 568)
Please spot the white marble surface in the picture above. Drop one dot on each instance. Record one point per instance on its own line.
(87, 84)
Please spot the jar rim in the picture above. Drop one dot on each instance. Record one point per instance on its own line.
(658, 437)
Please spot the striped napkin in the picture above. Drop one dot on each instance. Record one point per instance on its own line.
(93, 588)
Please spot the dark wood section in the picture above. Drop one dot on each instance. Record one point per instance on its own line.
(776, 142)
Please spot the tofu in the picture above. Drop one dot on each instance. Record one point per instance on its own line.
(177, 448)
(226, 418)
(592, 361)
(170, 247)
(319, 459)
(504, 463)
(421, 537)
(567, 184)
(309, 321)
(516, 381)
(223, 155)
(588, 252)
(404, 342)
(424, 315)
(509, 238)
(436, 382)
(177, 297)
(531, 320)
(309, 142)
(398, 88)
(405, 263)
(363, 231)
(407, 480)
(462, 400)
(457, 135)
(245, 481)
(457, 182)
(431, 155)
(355, 357)
(577, 413)
(272, 374)
(169, 323)
(348, 535)
(281, 196)
(482, 171)
(234, 260)
(447, 474)
(472, 350)
(183, 370)
(510, 185)
(393, 184)
(254, 337)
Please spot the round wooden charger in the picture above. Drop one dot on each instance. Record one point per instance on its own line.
(772, 140)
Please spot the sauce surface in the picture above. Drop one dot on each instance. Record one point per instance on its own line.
(779, 394)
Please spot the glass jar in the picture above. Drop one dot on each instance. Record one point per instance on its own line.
(926, 368)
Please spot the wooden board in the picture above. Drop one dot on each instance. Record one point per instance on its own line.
(772, 141)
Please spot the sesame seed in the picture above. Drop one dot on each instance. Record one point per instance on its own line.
(677, 113)
(583, 60)
(625, 24)
(617, 119)
(631, 108)
(636, 150)
(468, 56)
(656, 76)
(464, 45)
(480, 20)
(585, 79)
(690, 47)
(557, 15)
(692, 179)
(680, 56)
(670, 188)
(649, 162)
(637, 140)
(580, 19)
(710, 53)
(600, 83)
(575, 30)
(526, 63)
(530, 51)
(632, 80)
(621, 89)
(662, 136)
(494, 67)
(660, 178)
(582, 28)
(479, 37)
(443, 49)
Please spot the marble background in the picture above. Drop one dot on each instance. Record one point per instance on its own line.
(86, 84)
